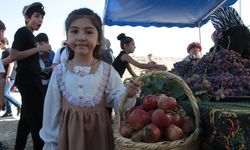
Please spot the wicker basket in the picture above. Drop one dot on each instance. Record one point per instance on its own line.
(189, 143)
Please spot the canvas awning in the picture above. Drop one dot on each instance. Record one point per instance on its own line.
(161, 13)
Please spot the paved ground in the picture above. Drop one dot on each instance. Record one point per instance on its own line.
(8, 127)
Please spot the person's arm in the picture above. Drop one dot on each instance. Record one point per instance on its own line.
(1, 91)
(56, 59)
(6, 60)
(51, 115)
(130, 60)
(18, 55)
(9, 72)
(115, 90)
(131, 71)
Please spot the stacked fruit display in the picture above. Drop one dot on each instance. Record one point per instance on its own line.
(221, 74)
(158, 118)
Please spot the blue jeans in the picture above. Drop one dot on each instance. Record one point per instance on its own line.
(8, 98)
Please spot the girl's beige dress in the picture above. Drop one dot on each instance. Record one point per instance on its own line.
(74, 111)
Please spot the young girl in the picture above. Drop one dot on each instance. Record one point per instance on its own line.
(123, 60)
(75, 117)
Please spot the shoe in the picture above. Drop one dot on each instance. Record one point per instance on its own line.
(3, 147)
(18, 111)
(6, 115)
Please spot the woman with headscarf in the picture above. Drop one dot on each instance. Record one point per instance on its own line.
(231, 31)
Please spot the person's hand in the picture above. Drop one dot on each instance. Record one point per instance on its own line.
(133, 87)
(8, 80)
(45, 47)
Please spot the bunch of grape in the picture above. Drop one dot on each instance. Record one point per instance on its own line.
(221, 74)
(183, 68)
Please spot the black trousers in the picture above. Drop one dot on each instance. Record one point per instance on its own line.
(31, 116)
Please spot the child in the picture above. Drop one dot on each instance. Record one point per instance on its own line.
(194, 52)
(8, 79)
(46, 59)
(75, 117)
(2, 71)
(150, 61)
(28, 77)
(61, 55)
(123, 60)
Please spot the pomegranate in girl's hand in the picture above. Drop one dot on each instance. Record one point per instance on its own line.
(167, 103)
(138, 118)
(149, 102)
(188, 125)
(160, 118)
(125, 129)
(173, 133)
(151, 133)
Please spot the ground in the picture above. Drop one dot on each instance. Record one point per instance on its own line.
(8, 127)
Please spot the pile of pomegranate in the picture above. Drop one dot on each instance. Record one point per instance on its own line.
(158, 118)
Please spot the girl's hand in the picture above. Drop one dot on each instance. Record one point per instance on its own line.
(133, 87)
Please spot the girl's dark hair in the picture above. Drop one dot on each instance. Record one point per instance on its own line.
(124, 39)
(96, 21)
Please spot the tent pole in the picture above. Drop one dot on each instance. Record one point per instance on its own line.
(199, 26)
(213, 10)
(240, 7)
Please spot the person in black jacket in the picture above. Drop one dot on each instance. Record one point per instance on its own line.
(231, 31)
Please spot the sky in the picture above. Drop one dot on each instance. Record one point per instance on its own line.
(161, 42)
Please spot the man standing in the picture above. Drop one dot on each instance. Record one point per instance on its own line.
(28, 77)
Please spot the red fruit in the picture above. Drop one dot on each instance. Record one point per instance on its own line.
(132, 108)
(160, 118)
(126, 130)
(137, 136)
(167, 103)
(150, 112)
(176, 119)
(173, 133)
(188, 125)
(151, 133)
(138, 118)
(149, 102)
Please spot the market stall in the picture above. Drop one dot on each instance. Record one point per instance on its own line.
(225, 119)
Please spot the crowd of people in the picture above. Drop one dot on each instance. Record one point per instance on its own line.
(65, 95)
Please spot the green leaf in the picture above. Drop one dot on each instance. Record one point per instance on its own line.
(175, 89)
(202, 96)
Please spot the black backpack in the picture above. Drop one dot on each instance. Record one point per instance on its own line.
(62, 49)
